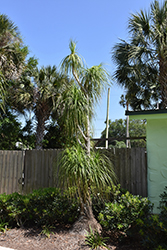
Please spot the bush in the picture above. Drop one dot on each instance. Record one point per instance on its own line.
(110, 195)
(163, 207)
(122, 213)
(153, 232)
(154, 228)
(41, 207)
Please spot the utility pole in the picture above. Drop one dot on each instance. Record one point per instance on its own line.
(107, 119)
(127, 128)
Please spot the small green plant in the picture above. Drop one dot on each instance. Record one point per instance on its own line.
(95, 240)
(47, 230)
(3, 225)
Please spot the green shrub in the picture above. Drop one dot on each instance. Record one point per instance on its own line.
(14, 208)
(121, 214)
(163, 207)
(153, 232)
(111, 194)
(42, 207)
(53, 206)
(153, 229)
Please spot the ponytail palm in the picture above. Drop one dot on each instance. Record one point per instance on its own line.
(91, 82)
(73, 107)
(80, 166)
(88, 173)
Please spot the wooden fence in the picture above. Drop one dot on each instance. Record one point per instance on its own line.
(23, 171)
(11, 169)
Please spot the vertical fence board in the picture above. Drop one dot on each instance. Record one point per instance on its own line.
(138, 177)
(10, 171)
(3, 179)
(1, 166)
(11, 163)
(117, 164)
(27, 172)
(144, 172)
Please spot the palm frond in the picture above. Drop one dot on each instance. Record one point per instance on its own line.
(94, 172)
(95, 80)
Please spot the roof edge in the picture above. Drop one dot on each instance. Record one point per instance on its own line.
(146, 112)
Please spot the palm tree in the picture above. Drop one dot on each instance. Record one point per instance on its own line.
(80, 166)
(12, 53)
(50, 85)
(40, 97)
(90, 174)
(142, 62)
(91, 81)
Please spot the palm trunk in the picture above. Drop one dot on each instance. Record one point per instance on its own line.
(40, 132)
(86, 220)
(88, 136)
(88, 128)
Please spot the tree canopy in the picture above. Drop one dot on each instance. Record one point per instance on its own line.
(117, 129)
(38, 93)
(141, 62)
(12, 54)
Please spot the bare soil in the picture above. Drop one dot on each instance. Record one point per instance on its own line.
(60, 239)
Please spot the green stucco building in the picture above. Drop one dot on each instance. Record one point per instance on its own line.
(156, 136)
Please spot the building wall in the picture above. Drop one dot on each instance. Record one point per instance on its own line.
(156, 159)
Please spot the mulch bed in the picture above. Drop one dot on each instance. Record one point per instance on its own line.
(60, 239)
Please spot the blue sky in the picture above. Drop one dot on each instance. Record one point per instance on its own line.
(47, 26)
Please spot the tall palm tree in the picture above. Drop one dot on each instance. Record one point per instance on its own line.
(49, 87)
(12, 53)
(91, 81)
(80, 166)
(141, 63)
(41, 96)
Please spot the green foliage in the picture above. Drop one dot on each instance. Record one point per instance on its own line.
(153, 229)
(122, 213)
(42, 207)
(88, 173)
(163, 204)
(12, 55)
(141, 61)
(28, 136)
(110, 195)
(3, 225)
(87, 89)
(10, 130)
(118, 144)
(95, 240)
(55, 137)
(47, 230)
(117, 129)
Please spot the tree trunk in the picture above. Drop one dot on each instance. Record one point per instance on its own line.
(40, 132)
(86, 220)
(88, 128)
